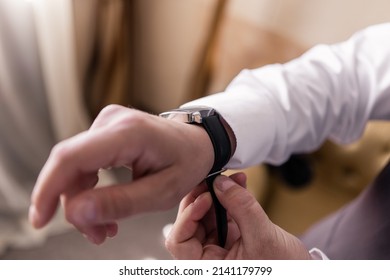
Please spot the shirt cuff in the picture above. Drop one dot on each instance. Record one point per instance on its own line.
(317, 254)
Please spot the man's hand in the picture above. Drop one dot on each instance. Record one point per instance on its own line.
(251, 234)
(167, 159)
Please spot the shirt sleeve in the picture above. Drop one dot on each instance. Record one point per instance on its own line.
(329, 92)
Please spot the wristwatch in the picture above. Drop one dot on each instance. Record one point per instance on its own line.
(211, 121)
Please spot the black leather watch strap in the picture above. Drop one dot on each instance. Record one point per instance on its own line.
(222, 153)
(220, 212)
(220, 140)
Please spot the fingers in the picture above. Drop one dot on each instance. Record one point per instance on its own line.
(242, 207)
(157, 150)
(64, 164)
(251, 233)
(239, 178)
(261, 239)
(191, 229)
(94, 212)
(185, 240)
(192, 196)
(98, 234)
(75, 158)
(106, 204)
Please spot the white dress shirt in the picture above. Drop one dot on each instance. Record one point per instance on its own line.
(329, 92)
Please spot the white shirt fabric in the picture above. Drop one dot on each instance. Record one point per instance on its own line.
(329, 92)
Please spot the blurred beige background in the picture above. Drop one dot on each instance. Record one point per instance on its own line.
(73, 57)
(170, 33)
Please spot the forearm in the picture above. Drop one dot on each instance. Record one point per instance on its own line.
(330, 92)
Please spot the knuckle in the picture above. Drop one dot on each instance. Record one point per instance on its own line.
(132, 121)
(244, 199)
(250, 204)
(133, 117)
(60, 152)
(110, 109)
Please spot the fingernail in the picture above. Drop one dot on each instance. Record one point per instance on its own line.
(89, 211)
(34, 217)
(85, 212)
(223, 183)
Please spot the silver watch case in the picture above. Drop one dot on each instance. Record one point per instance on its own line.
(189, 114)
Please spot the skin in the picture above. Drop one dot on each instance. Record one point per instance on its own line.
(160, 153)
(251, 234)
(156, 150)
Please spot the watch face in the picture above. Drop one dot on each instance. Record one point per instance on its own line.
(189, 114)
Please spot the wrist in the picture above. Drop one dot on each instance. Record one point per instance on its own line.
(230, 133)
(219, 132)
(204, 148)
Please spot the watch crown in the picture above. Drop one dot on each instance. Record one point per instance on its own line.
(197, 117)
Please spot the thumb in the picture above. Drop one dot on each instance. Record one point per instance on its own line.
(242, 206)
